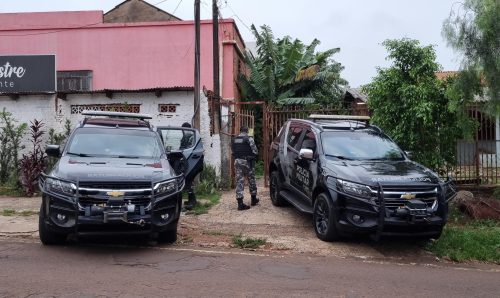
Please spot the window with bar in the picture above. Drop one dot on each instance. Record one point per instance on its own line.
(80, 80)
(167, 108)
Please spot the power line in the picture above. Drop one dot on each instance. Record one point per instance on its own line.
(237, 16)
(177, 6)
(160, 2)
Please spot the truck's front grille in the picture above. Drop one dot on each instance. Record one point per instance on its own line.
(398, 196)
(98, 193)
(115, 184)
(90, 201)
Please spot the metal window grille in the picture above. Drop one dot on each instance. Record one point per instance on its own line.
(167, 108)
(74, 80)
(119, 107)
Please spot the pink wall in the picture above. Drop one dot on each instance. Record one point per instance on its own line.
(121, 56)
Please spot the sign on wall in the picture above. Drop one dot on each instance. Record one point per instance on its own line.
(33, 73)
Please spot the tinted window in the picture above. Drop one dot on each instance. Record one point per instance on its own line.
(177, 139)
(360, 145)
(309, 141)
(114, 143)
(293, 135)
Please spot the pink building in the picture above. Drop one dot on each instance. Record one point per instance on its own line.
(135, 56)
(131, 56)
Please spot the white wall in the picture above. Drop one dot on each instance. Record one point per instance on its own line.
(54, 112)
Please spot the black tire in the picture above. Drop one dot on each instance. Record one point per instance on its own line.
(47, 237)
(323, 218)
(274, 190)
(170, 235)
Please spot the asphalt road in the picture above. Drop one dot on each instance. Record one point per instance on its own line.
(30, 269)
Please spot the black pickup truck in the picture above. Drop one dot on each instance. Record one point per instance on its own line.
(118, 174)
(354, 179)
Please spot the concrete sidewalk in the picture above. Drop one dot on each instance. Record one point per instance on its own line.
(17, 225)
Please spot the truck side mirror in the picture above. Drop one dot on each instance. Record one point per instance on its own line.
(53, 150)
(409, 154)
(306, 154)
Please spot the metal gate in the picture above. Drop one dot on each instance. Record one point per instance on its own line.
(478, 159)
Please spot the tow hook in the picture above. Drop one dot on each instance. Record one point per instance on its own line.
(140, 222)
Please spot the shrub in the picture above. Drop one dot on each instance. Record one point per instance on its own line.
(10, 144)
(58, 139)
(209, 180)
(35, 162)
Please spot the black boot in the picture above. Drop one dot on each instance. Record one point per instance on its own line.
(255, 200)
(241, 205)
(191, 202)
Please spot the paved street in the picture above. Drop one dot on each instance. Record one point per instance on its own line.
(30, 269)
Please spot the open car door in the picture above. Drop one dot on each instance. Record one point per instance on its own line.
(184, 149)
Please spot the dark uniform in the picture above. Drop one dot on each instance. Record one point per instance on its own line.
(186, 142)
(244, 153)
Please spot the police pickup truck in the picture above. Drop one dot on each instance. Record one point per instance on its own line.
(118, 174)
(353, 178)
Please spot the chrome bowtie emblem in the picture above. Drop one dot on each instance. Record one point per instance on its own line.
(408, 196)
(115, 193)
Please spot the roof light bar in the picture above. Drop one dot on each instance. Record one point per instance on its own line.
(315, 117)
(117, 115)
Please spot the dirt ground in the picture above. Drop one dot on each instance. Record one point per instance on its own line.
(284, 229)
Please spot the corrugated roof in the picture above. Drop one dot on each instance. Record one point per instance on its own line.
(357, 94)
(155, 89)
(441, 75)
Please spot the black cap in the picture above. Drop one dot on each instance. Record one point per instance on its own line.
(244, 129)
(186, 124)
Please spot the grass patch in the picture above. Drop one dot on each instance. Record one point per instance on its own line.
(475, 240)
(205, 202)
(259, 169)
(27, 213)
(213, 233)
(11, 191)
(12, 212)
(248, 242)
(8, 212)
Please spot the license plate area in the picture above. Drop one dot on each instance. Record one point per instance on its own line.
(115, 216)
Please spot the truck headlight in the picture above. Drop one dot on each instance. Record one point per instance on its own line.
(165, 187)
(354, 189)
(58, 186)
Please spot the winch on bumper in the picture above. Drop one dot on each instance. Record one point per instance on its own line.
(88, 207)
(393, 210)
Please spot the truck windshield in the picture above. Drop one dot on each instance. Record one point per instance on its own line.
(114, 143)
(360, 145)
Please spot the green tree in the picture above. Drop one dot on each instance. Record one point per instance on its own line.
(286, 71)
(410, 104)
(10, 144)
(473, 29)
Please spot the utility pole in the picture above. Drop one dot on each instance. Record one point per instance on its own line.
(195, 121)
(225, 139)
(217, 96)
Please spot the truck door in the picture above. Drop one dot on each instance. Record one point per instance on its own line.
(295, 133)
(305, 173)
(184, 149)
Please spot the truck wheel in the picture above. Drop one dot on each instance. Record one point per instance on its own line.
(323, 218)
(48, 237)
(170, 235)
(274, 190)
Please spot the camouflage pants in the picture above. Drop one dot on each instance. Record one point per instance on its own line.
(242, 169)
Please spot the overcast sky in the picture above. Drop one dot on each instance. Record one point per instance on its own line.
(356, 26)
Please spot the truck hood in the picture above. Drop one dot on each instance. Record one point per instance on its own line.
(385, 172)
(112, 169)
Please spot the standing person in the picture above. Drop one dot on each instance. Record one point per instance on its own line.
(186, 142)
(244, 153)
